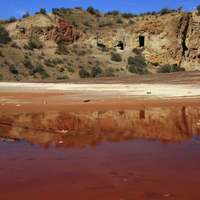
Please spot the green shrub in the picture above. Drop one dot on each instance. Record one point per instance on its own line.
(127, 15)
(70, 69)
(86, 23)
(4, 36)
(138, 51)
(34, 42)
(56, 11)
(44, 74)
(96, 71)
(62, 77)
(26, 15)
(1, 54)
(62, 49)
(138, 69)
(56, 61)
(14, 45)
(153, 13)
(27, 47)
(74, 23)
(27, 64)
(165, 10)
(83, 73)
(131, 60)
(42, 54)
(114, 12)
(119, 20)
(164, 69)
(12, 69)
(80, 66)
(42, 11)
(108, 72)
(39, 57)
(81, 53)
(131, 21)
(170, 68)
(91, 10)
(61, 70)
(48, 63)
(116, 57)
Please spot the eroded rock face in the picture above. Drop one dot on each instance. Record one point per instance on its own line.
(67, 34)
(63, 32)
(168, 39)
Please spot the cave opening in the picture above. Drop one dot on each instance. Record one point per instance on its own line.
(141, 41)
(121, 45)
(184, 48)
(101, 45)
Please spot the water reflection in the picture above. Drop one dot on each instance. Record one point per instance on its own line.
(167, 125)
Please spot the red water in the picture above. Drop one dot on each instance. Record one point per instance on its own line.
(130, 169)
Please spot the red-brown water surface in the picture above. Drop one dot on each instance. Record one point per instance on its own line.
(112, 154)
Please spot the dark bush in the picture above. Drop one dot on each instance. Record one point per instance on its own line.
(81, 53)
(153, 13)
(56, 61)
(83, 73)
(11, 19)
(108, 72)
(34, 42)
(170, 68)
(70, 69)
(79, 8)
(91, 10)
(80, 66)
(27, 47)
(27, 64)
(131, 60)
(61, 49)
(180, 8)
(74, 23)
(138, 69)
(116, 57)
(119, 20)
(56, 11)
(62, 77)
(12, 69)
(165, 10)
(131, 21)
(4, 36)
(48, 63)
(86, 23)
(114, 12)
(1, 54)
(14, 45)
(137, 51)
(96, 71)
(164, 69)
(42, 11)
(127, 15)
(61, 70)
(26, 15)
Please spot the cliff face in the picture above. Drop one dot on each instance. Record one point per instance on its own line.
(167, 125)
(167, 39)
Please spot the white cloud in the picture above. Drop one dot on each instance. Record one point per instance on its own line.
(20, 11)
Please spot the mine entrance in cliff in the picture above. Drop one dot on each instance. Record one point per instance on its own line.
(121, 45)
(141, 41)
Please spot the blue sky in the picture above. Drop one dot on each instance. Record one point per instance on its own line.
(18, 8)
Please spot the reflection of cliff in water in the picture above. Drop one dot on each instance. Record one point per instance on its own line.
(167, 125)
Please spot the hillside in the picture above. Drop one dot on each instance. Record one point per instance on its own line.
(139, 44)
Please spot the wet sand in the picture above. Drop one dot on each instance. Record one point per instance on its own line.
(39, 96)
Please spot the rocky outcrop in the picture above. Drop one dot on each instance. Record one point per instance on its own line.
(168, 39)
(67, 34)
(63, 32)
